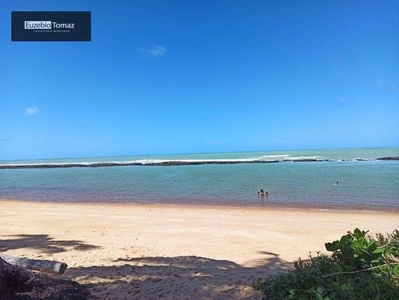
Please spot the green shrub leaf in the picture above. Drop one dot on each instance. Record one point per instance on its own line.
(349, 273)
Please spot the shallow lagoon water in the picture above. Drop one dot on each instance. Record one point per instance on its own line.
(363, 182)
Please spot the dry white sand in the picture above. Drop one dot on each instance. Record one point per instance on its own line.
(129, 251)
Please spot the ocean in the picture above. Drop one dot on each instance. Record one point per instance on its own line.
(326, 179)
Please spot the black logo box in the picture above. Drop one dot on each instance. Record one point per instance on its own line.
(79, 31)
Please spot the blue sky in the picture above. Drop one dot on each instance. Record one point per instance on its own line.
(180, 76)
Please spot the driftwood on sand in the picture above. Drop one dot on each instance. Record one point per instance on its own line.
(47, 266)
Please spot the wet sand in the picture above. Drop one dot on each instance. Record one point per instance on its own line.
(131, 251)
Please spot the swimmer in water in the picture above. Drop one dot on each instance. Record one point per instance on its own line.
(262, 193)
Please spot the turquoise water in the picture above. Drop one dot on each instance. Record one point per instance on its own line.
(363, 182)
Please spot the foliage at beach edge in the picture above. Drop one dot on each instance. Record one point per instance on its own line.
(360, 267)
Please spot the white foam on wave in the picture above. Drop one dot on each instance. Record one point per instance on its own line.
(305, 157)
(287, 157)
(149, 161)
(183, 161)
(195, 161)
(277, 157)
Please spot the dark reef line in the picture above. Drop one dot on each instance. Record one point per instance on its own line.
(167, 163)
(389, 158)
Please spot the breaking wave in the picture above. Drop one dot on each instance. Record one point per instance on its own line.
(181, 162)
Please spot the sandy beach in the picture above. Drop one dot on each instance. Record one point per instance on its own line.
(131, 251)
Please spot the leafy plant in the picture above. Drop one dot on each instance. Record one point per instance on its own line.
(359, 268)
(355, 251)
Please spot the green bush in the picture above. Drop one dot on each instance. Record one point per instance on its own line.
(360, 267)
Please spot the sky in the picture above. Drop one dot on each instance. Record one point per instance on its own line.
(174, 76)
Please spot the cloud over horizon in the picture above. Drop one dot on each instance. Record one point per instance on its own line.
(33, 110)
(154, 51)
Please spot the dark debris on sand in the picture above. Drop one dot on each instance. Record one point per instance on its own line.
(45, 287)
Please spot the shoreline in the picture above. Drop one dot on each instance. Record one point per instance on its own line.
(260, 204)
(155, 251)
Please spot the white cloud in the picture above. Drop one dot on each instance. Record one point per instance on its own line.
(379, 83)
(386, 86)
(33, 110)
(154, 51)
